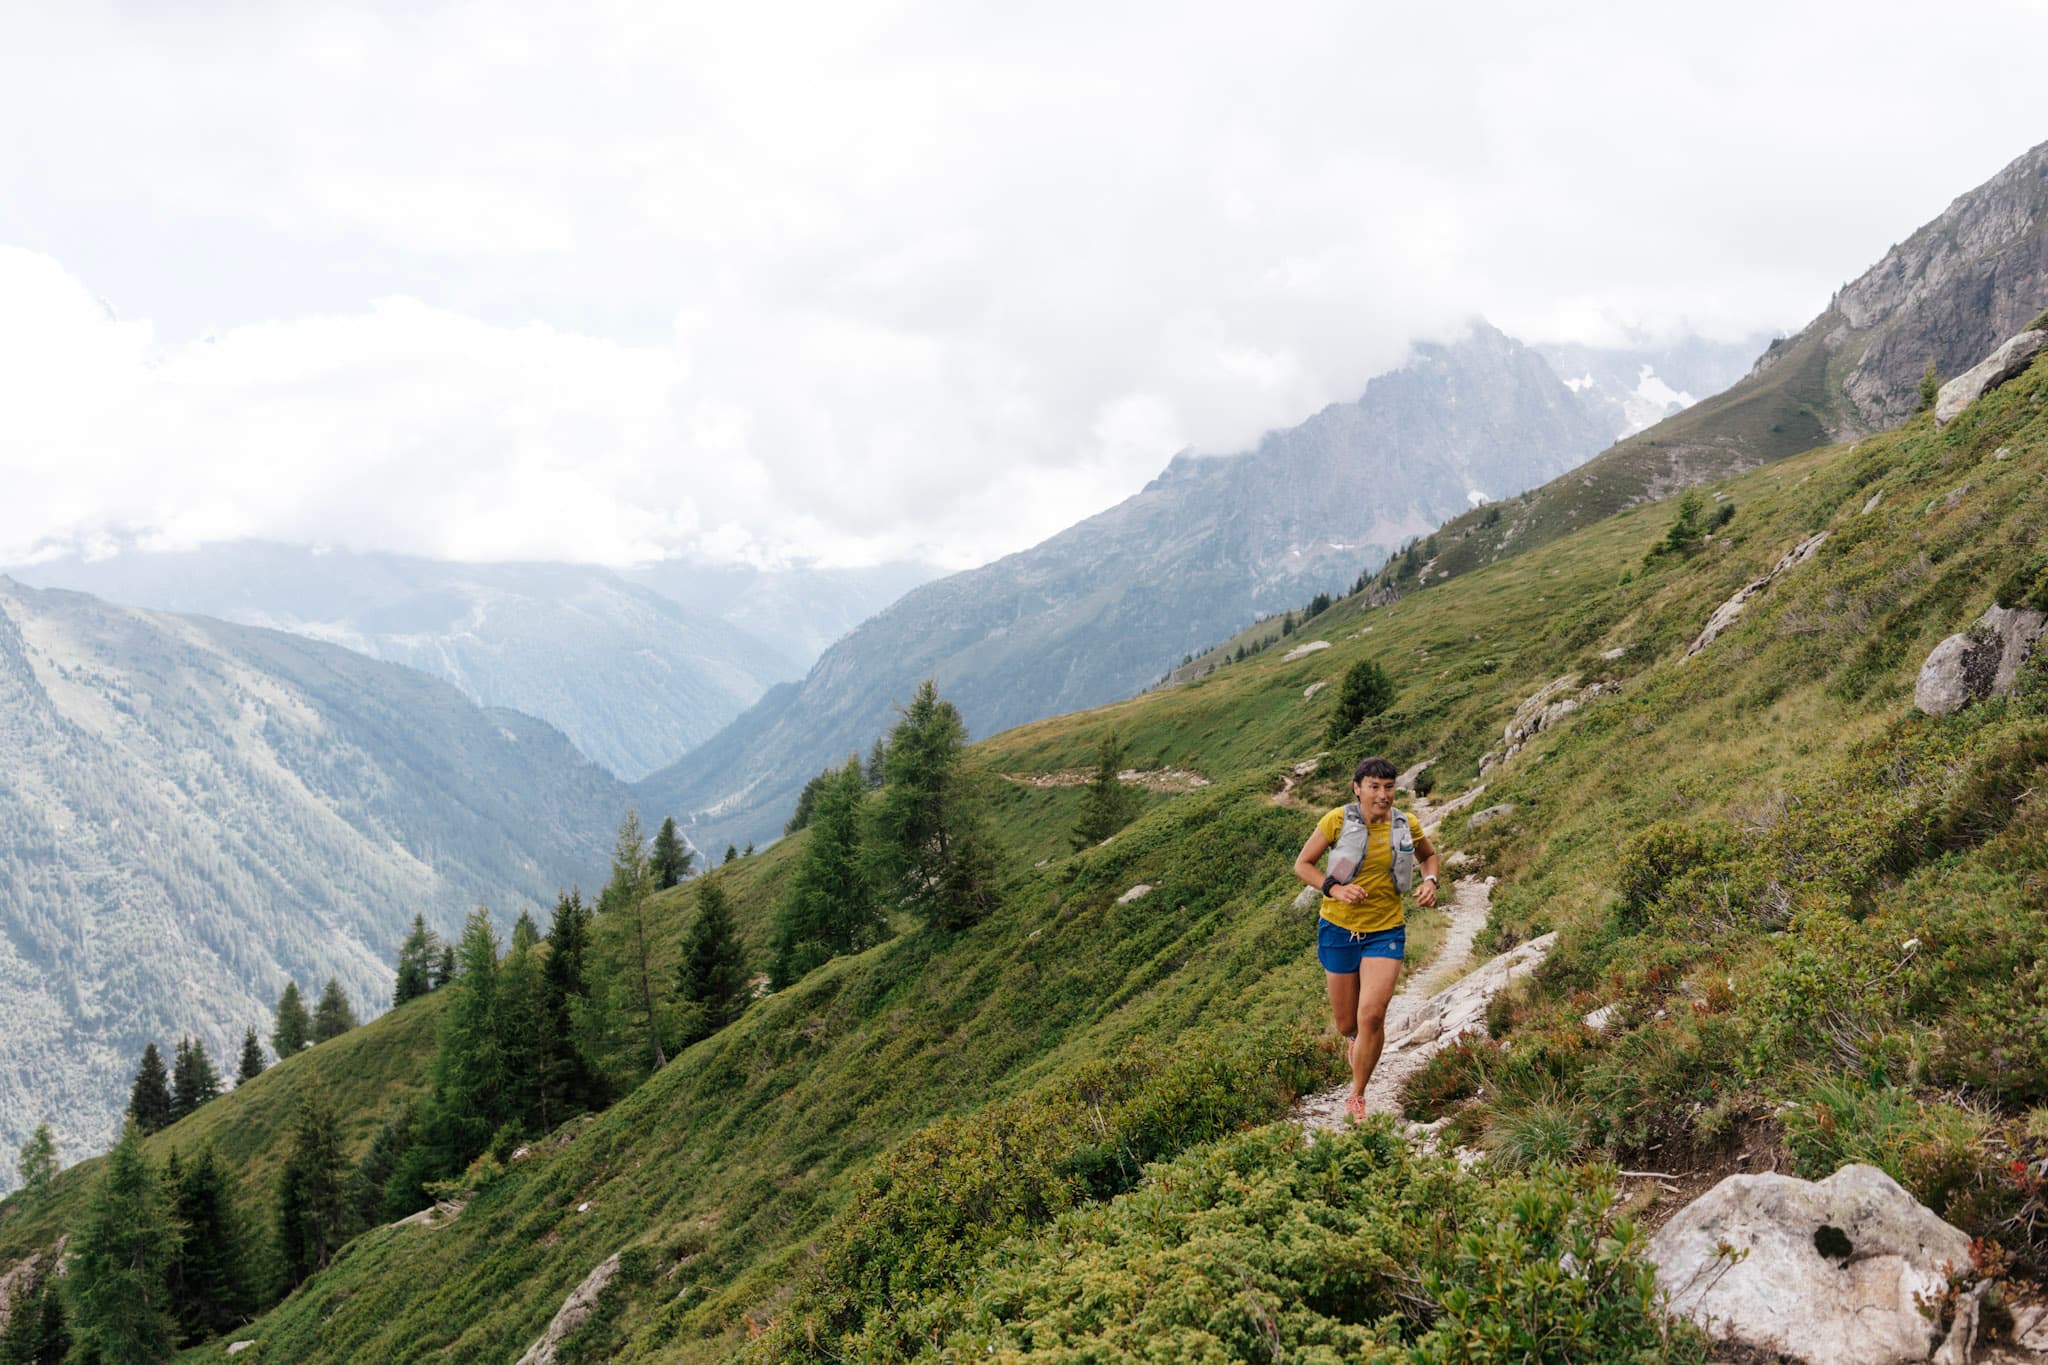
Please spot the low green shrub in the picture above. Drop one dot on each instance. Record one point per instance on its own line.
(1547, 1130)
(1451, 1074)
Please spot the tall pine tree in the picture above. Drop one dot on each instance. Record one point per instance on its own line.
(209, 1280)
(312, 1210)
(929, 853)
(252, 1058)
(632, 1030)
(193, 1079)
(149, 1099)
(569, 1084)
(519, 1026)
(469, 1098)
(415, 963)
(1108, 805)
(669, 862)
(828, 908)
(115, 1276)
(713, 974)
(334, 1015)
(294, 1032)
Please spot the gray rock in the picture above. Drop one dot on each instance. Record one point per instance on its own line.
(1983, 661)
(1491, 814)
(1303, 651)
(1825, 1271)
(1726, 614)
(1875, 499)
(2002, 364)
(582, 1301)
(235, 1348)
(1138, 892)
(1308, 898)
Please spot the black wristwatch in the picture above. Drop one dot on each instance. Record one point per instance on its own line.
(1329, 882)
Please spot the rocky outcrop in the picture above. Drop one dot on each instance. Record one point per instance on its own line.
(1542, 709)
(1829, 1272)
(2002, 364)
(1981, 662)
(1728, 612)
(580, 1304)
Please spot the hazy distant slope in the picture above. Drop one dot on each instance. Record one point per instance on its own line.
(631, 676)
(190, 811)
(1104, 607)
(1949, 293)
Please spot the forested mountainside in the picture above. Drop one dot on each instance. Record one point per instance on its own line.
(631, 676)
(192, 812)
(1946, 296)
(1104, 607)
(1806, 917)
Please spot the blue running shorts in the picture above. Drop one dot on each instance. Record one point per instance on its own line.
(1341, 950)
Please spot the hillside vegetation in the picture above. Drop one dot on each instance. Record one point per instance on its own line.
(1818, 917)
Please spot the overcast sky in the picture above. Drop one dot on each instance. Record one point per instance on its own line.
(847, 281)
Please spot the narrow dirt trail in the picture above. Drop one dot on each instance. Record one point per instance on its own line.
(1467, 916)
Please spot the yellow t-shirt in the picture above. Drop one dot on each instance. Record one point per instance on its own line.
(1382, 908)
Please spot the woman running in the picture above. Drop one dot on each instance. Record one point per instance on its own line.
(1363, 934)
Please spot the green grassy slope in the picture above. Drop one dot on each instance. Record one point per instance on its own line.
(885, 1145)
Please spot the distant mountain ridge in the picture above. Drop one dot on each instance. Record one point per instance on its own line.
(1949, 293)
(192, 811)
(633, 677)
(1102, 608)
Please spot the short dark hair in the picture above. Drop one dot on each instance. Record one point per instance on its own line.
(1372, 765)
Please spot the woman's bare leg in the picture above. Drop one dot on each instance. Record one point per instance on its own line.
(1375, 987)
(1344, 1004)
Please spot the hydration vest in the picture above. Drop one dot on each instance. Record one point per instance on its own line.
(1349, 850)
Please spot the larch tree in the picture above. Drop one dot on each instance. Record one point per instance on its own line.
(928, 852)
(713, 974)
(149, 1099)
(115, 1277)
(669, 862)
(1108, 804)
(633, 1035)
(334, 1015)
(252, 1058)
(293, 1032)
(312, 1209)
(37, 1164)
(415, 963)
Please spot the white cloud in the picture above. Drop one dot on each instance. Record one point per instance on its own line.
(857, 281)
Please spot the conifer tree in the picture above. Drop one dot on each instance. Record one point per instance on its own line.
(468, 1100)
(519, 1026)
(37, 1164)
(209, 1283)
(632, 1035)
(568, 1084)
(1108, 805)
(670, 860)
(312, 1210)
(334, 1015)
(444, 967)
(369, 1183)
(731, 852)
(36, 1333)
(294, 1031)
(829, 907)
(877, 770)
(149, 1099)
(713, 973)
(929, 853)
(1366, 692)
(115, 1277)
(525, 931)
(193, 1079)
(415, 963)
(252, 1058)
(748, 851)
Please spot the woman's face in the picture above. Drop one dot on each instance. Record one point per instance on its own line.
(1375, 796)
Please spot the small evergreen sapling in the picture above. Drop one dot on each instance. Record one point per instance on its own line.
(252, 1058)
(37, 1164)
(294, 1027)
(334, 1015)
(1367, 691)
(149, 1099)
(1108, 805)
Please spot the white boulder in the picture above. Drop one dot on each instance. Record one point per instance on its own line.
(2002, 364)
(1830, 1272)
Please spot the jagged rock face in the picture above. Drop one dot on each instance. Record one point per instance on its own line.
(1100, 610)
(1950, 293)
(190, 811)
(1826, 1272)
